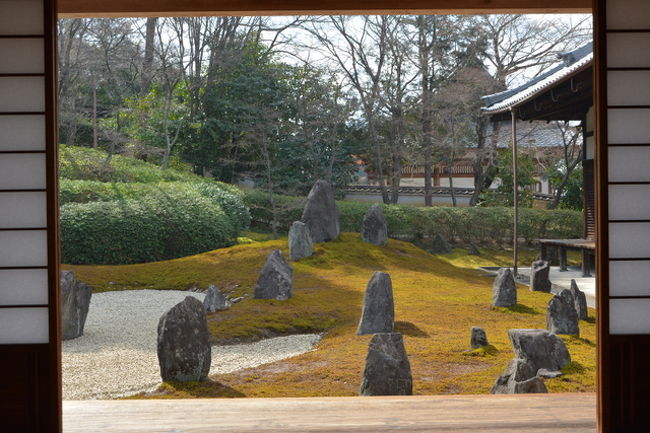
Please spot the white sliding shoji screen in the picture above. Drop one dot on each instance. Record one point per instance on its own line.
(29, 323)
(623, 160)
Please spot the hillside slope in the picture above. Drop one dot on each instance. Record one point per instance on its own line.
(436, 304)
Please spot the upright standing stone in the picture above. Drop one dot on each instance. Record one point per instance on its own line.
(215, 300)
(387, 371)
(321, 213)
(75, 302)
(439, 245)
(374, 229)
(504, 290)
(539, 281)
(561, 315)
(479, 338)
(378, 313)
(580, 301)
(184, 342)
(276, 278)
(473, 250)
(300, 244)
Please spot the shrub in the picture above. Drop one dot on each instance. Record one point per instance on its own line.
(229, 199)
(478, 225)
(158, 227)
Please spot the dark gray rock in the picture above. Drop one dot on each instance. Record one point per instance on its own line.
(378, 313)
(439, 245)
(473, 250)
(215, 300)
(478, 338)
(321, 213)
(538, 353)
(561, 315)
(519, 378)
(300, 243)
(374, 229)
(387, 371)
(504, 290)
(184, 343)
(540, 348)
(539, 281)
(75, 302)
(579, 301)
(276, 278)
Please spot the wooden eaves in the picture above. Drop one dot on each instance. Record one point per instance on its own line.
(141, 8)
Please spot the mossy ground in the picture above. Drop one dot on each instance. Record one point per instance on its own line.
(437, 301)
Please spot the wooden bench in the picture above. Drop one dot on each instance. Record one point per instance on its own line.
(587, 247)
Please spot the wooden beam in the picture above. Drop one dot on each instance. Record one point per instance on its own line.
(142, 8)
(521, 413)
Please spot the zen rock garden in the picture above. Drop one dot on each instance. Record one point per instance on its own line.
(183, 339)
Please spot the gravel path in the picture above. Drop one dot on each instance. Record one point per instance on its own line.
(116, 356)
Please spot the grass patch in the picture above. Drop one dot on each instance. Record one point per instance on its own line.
(488, 350)
(437, 301)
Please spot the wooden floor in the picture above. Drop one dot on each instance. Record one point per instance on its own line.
(534, 413)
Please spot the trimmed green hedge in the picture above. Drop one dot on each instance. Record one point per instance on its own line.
(157, 227)
(228, 197)
(478, 225)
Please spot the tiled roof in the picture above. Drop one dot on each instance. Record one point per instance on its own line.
(532, 134)
(568, 64)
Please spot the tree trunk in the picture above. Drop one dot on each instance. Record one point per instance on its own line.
(94, 116)
(147, 62)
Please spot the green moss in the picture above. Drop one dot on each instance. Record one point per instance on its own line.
(488, 350)
(436, 305)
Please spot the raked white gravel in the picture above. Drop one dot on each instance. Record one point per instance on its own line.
(117, 357)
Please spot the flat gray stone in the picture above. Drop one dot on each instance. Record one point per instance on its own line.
(539, 281)
(373, 228)
(387, 371)
(276, 278)
(548, 374)
(519, 378)
(321, 213)
(579, 300)
(478, 338)
(504, 290)
(215, 300)
(378, 314)
(75, 302)
(540, 348)
(561, 314)
(184, 343)
(538, 353)
(300, 243)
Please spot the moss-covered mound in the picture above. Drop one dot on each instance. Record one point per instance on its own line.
(436, 304)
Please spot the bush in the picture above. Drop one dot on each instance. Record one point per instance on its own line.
(228, 198)
(478, 225)
(159, 227)
(82, 163)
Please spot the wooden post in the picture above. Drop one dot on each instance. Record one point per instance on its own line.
(515, 195)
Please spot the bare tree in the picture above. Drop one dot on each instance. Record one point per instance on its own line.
(571, 157)
(359, 49)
